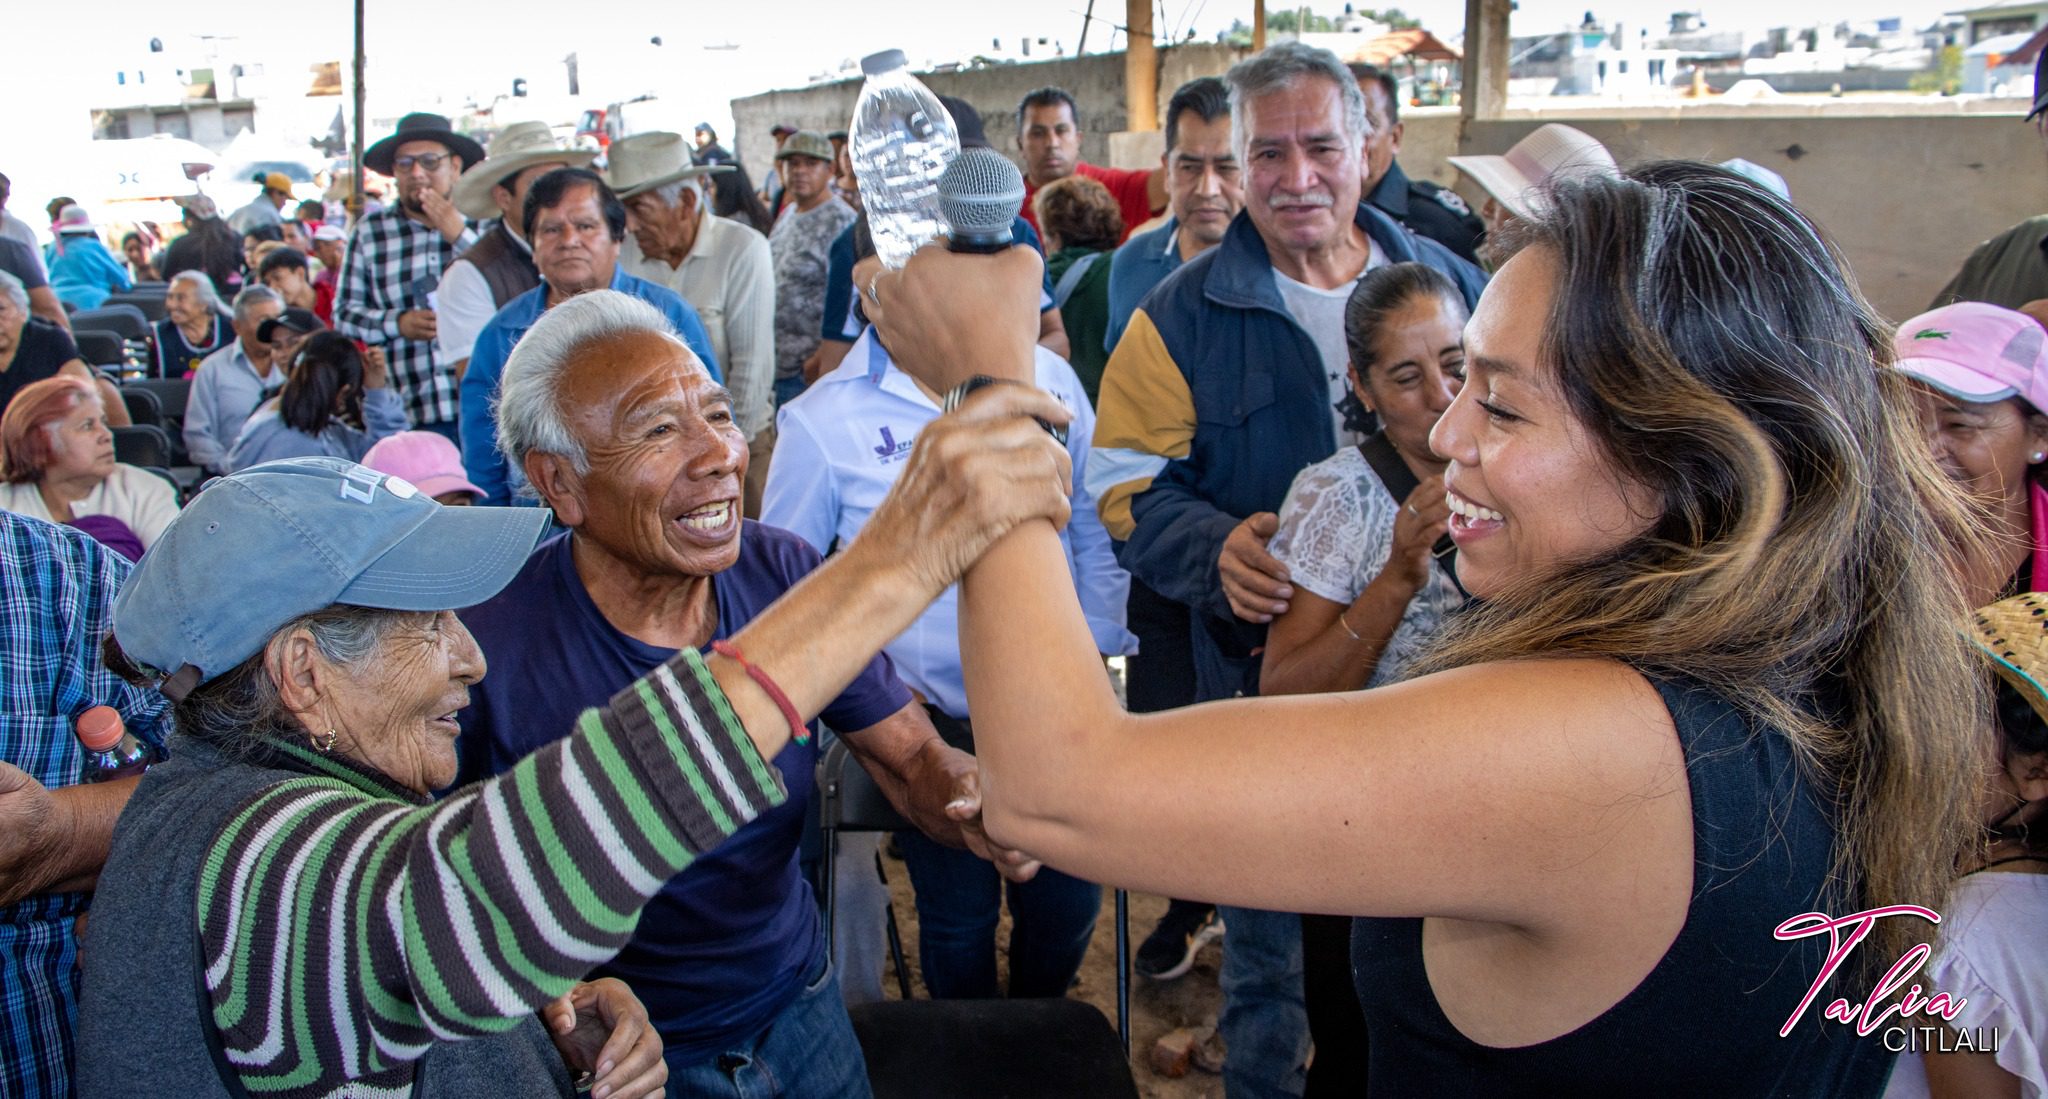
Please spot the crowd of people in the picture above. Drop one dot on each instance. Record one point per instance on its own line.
(1524, 616)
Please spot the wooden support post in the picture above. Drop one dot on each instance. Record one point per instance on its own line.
(1258, 25)
(1485, 94)
(1141, 68)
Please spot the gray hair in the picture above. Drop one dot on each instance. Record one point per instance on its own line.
(1282, 66)
(528, 405)
(671, 193)
(14, 290)
(239, 710)
(202, 286)
(253, 296)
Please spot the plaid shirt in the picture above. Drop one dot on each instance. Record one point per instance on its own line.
(389, 255)
(57, 590)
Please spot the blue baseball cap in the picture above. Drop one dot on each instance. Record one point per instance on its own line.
(264, 546)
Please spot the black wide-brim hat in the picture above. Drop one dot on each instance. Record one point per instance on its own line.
(422, 126)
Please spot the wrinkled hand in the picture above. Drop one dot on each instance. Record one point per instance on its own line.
(601, 1027)
(442, 215)
(1424, 517)
(973, 476)
(945, 804)
(418, 324)
(29, 831)
(1254, 581)
(948, 316)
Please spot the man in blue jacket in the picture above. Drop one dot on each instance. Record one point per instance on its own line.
(1224, 386)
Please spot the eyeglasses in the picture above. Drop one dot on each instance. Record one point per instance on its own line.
(430, 161)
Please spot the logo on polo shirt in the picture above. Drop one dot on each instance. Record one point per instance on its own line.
(890, 450)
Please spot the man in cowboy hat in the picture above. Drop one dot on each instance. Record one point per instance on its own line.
(718, 265)
(500, 266)
(801, 244)
(397, 256)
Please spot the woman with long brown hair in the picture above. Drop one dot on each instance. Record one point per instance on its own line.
(1715, 682)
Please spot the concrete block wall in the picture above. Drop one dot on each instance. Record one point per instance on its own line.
(1906, 197)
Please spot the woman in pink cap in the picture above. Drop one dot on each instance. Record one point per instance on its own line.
(1983, 380)
(429, 461)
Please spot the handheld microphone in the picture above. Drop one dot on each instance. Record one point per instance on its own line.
(980, 193)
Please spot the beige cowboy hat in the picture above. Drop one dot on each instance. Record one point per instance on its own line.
(517, 147)
(642, 162)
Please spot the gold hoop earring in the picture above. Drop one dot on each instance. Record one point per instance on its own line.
(323, 742)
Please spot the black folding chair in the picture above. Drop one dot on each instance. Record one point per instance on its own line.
(99, 347)
(851, 802)
(126, 321)
(142, 445)
(171, 394)
(970, 1049)
(143, 407)
(149, 301)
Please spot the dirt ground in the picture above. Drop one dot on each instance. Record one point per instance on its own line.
(1190, 1001)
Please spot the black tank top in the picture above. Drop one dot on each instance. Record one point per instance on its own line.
(1706, 1019)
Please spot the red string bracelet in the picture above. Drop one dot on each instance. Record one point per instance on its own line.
(798, 730)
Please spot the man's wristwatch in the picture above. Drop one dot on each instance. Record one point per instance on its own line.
(959, 393)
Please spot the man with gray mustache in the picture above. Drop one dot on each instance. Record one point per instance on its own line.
(1224, 385)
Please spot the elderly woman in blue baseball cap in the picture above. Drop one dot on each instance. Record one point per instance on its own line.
(287, 911)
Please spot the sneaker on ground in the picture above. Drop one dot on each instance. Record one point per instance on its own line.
(1170, 950)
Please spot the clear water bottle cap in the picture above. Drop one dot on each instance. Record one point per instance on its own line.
(875, 64)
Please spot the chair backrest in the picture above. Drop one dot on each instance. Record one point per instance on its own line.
(851, 801)
(99, 347)
(169, 479)
(149, 302)
(171, 394)
(142, 445)
(124, 320)
(143, 407)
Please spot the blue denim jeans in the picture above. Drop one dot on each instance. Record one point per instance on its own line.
(1265, 1019)
(807, 1052)
(959, 900)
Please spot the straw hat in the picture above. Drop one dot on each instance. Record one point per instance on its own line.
(517, 147)
(1552, 151)
(642, 162)
(2013, 633)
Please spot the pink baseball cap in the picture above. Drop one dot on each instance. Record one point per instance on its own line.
(427, 460)
(1976, 352)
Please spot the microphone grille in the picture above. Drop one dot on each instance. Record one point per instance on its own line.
(980, 192)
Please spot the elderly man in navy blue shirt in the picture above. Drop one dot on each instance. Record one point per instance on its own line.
(624, 433)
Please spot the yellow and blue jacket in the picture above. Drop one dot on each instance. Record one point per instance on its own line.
(1211, 403)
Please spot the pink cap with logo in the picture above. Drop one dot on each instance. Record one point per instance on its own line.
(1976, 352)
(426, 459)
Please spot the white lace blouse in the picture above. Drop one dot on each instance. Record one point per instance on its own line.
(1336, 531)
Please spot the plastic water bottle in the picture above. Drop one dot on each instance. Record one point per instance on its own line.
(900, 140)
(111, 751)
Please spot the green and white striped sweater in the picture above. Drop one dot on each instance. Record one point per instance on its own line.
(346, 927)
